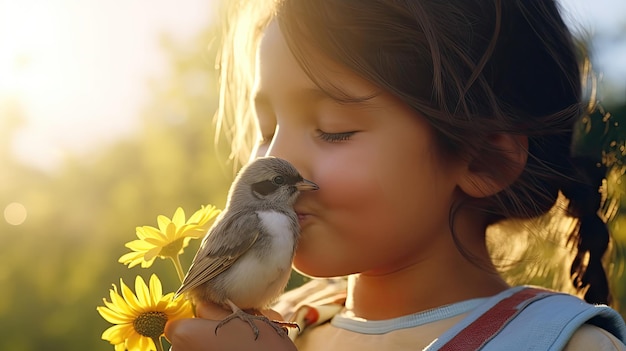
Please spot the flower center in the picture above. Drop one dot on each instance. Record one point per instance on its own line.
(150, 324)
(172, 249)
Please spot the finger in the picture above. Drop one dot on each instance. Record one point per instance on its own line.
(273, 315)
(197, 334)
(212, 311)
(208, 310)
(188, 334)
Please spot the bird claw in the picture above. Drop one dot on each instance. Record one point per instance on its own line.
(285, 325)
(279, 327)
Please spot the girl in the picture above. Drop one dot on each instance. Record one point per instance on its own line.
(424, 123)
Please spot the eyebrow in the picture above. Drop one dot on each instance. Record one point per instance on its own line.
(315, 95)
(309, 95)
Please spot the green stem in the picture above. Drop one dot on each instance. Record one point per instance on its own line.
(179, 267)
(158, 344)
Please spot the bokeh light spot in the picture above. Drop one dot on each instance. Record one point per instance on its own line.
(15, 213)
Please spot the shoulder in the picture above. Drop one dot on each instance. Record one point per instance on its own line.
(590, 337)
(534, 318)
(554, 319)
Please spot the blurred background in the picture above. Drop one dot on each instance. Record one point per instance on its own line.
(106, 112)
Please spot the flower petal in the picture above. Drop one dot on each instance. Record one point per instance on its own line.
(131, 299)
(140, 245)
(111, 316)
(132, 343)
(131, 259)
(118, 304)
(152, 254)
(147, 263)
(179, 309)
(197, 216)
(156, 242)
(204, 216)
(179, 217)
(163, 222)
(122, 310)
(170, 231)
(145, 231)
(143, 294)
(117, 333)
(152, 232)
(145, 343)
(156, 289)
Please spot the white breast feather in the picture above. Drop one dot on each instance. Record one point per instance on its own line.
(278, 225)
(264, 281)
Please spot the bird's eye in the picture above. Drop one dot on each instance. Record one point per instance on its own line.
(278, 180)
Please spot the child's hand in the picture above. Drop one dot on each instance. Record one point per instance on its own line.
(198, 334)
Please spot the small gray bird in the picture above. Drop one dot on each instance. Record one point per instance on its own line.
(244, 261)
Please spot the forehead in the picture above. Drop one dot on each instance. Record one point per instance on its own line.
(275, 55)
(279, 70)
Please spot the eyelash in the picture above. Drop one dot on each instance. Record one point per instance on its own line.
(334, 137)
(327, 137)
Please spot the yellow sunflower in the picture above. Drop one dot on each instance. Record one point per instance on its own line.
(140, 319)
(169, 240)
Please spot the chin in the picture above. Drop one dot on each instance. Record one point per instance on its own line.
(309, 270)
(313, 268)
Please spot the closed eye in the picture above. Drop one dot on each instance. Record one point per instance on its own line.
(334, 137)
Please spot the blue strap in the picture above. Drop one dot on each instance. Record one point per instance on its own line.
(545, 321)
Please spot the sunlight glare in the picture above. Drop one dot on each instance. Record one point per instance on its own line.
(78, 69)
(44, 69)
(33, 39)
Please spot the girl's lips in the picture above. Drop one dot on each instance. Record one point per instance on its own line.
(302, 217)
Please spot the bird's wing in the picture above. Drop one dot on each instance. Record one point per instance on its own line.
(225, 243)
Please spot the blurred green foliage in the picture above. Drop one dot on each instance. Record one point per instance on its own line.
(56, 267)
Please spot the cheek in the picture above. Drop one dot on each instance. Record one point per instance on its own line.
(349, 186)
(373, 211)
(356, 211)
(391, 185)
(344, 206)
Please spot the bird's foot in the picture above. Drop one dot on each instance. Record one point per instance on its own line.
(285, 325)
(279, 327)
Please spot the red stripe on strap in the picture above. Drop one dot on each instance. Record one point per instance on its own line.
(485, 327)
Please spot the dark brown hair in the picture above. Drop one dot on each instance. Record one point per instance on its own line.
(474, 69)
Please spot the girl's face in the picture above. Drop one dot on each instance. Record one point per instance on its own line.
(384, 195)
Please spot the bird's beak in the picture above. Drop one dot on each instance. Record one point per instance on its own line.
(306, 185)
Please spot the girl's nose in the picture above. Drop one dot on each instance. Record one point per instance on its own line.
(291, 148)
